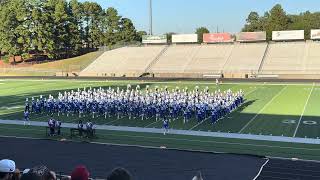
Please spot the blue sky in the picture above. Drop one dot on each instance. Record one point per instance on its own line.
(184, 16)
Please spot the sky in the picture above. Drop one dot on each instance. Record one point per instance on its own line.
(184, 16)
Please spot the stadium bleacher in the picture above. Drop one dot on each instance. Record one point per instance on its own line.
(175, 59)
(210, 59)
(123, 61)
(246, 57)
(312, 64)
(236, 60)
(284, 58)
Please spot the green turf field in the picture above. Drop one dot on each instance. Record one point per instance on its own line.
(270, 109)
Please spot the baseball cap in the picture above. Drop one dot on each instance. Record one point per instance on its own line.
(80, 173)
(7, 166)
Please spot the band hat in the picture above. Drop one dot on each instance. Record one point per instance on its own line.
(7, 166)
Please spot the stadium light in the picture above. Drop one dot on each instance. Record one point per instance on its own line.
(150, 17)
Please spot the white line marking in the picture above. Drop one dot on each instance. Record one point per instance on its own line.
(261, 169)
(110, 123)
(152, 124)
(171, 138)
(199, 124)
(178, 132)
(304, 109)
(251, 91)
(10, 107)
(262, 109)
(284, 158)
(157, 82)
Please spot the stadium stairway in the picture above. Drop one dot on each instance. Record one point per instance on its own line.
(154, 61)
(263, 58)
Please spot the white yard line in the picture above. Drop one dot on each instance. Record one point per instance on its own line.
(246, 94)
(110, 123)
(152, 123)
(262, 109)
(304, 109)
(199, 124)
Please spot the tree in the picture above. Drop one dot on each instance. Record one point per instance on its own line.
(92, 17)
(200, 31)
(75, 28)
(61, 20)
(60, 28)
(277, 21)
(254, 23)
(128, 32)
(169, 36)
(15, 35)
(41, 26)
(140, 34)
(112, 26)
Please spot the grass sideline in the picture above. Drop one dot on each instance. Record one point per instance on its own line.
(75, 64)
(180, 142)
(70, 64)
(273, 109)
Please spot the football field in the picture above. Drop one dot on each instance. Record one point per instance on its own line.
(272, 109)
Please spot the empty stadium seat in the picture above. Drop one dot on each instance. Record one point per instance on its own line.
(123, 61)
(209, 59)
(312, 64)
(284, 58)
(245, 58)
(175, 59)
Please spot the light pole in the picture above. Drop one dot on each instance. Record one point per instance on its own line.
(150, 17)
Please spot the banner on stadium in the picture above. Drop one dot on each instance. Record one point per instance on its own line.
(251, 36)
(184, 38)
(315, 33)
(150, 39)
(217, 37)
(288, 35)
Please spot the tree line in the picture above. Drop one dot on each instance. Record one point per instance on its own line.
(60, 28)
(277, 19)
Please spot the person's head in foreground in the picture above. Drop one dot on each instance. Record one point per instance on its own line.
(39, 173)
(119, 174)
(80, 173)
(7, 169)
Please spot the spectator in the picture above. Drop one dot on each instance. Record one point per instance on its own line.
(89, 127)
(80, 173)
(58, 127)
(119, 174)
(51, 124)
(39, 173)
(16, 175)
(80, 127)
(7, 169)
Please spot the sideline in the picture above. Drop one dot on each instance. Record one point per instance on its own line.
(178, 132)
(142, 81)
